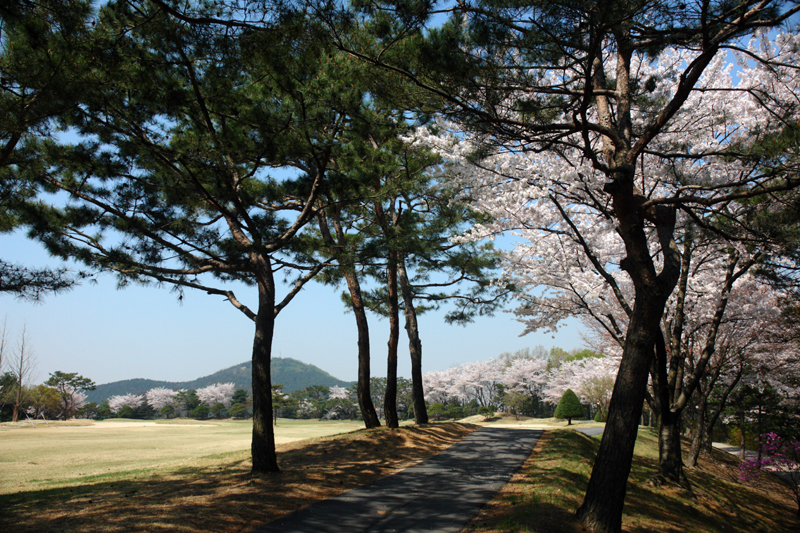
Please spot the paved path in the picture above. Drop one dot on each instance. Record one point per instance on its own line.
(734, 450)
(590, 431)
(441, 494)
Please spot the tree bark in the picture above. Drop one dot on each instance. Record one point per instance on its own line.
(601, 510)
(670, 461)
(348, 271)
(602, 506)
(390, 394)
(698, 433)
(263, 446)
(390, 398)
(368, 412)
(414, 344)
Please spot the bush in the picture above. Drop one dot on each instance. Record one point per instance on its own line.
(454, 411)
(437, 411)
(218, 410)
(126, 411)
(237, 410)
(200, 412)
(569, 407)
(168, 411)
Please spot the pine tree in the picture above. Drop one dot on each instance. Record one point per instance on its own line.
(569, 407)
(172, 180)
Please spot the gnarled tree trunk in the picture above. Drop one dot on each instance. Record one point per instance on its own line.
(602, 506)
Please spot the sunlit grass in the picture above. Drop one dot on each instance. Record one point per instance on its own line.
(66, 454)
(207, 491)
(544, 495)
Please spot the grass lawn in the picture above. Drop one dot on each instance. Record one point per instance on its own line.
(68, 454)
(130, 476)
(544, 495)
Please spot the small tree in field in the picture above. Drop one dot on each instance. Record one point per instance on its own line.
(70, 386)
(569, 407)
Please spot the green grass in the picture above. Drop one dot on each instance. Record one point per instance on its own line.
(215, 492)
(59, 455)
(543, 496)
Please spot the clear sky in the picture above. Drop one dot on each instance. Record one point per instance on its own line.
(109, 335)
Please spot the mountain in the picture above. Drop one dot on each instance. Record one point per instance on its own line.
(291, 373)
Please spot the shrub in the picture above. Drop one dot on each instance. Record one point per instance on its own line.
(437, 410)
(237, 410)
(126, 411)
(200, 412)
(777, 455)
(486, 412)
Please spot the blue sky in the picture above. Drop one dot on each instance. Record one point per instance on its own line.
(145, 332)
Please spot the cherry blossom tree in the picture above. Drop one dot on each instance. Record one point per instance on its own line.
(526, 376)
(483, 381)
(589, 378)
(217, 393)
(438, 385)
(158, 397)
(115, 403)
(341, 404)
(338, 393)
(603, 195)
(478, 380)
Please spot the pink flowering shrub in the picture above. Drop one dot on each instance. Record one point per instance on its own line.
(779, 456)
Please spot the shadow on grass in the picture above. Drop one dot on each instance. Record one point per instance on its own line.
(219, 494)
(545, 494)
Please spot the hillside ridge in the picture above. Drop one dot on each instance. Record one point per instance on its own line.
(291, 373)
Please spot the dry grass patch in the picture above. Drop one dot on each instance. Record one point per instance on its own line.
(543, 496)
(217, 493)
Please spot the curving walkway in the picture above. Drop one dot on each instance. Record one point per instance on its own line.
(441, 494)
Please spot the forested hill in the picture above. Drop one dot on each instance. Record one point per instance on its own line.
(291, 373)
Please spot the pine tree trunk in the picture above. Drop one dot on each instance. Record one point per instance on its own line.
(347, 268)
(390, 397)
(368, 412)
(414, 345)
(263, 446)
